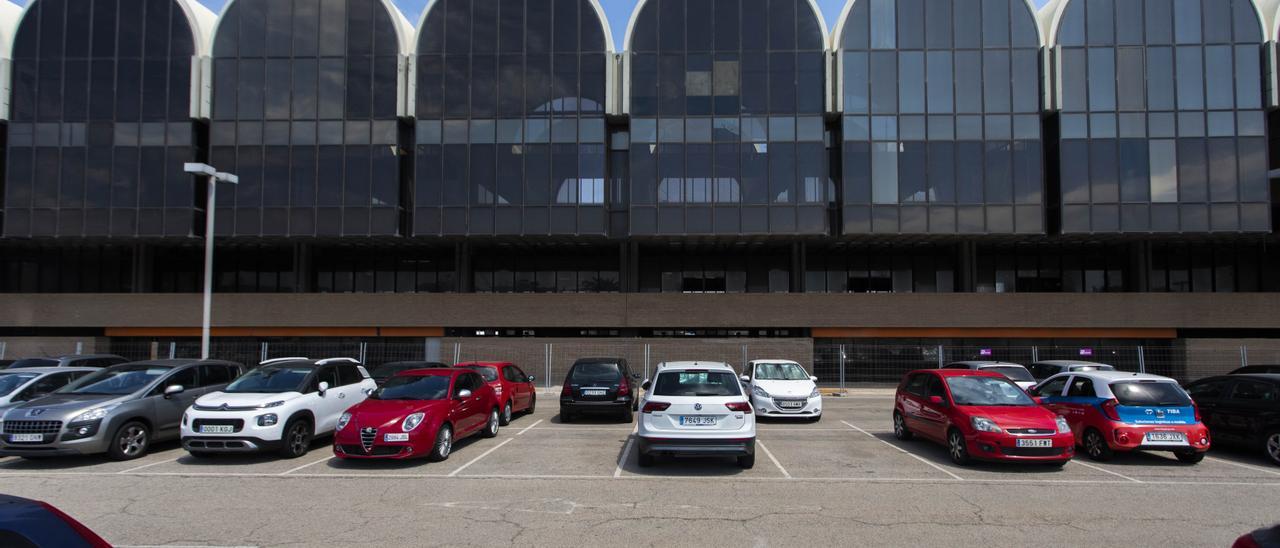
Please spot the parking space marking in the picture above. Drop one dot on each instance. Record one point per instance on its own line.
(1101, 469)
(528, 428)
(905, 452)
(136, 468)
(481, 456)
(626, 453)
(295, 469)
(1245, 466)
(769, 454)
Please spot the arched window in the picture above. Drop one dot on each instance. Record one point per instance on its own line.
(304, 111)
(101, 121)
(726, 103)
(941, 105)
(510, 105)
(1163, 128)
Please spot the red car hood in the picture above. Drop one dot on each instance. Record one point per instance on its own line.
(1029, 416)
(380, 413)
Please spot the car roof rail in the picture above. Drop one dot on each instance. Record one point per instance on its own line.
(278, 360)
(335, 360)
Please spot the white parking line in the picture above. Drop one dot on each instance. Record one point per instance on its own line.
(136, 468)
(528, 428)
(769, 454)
(292, 470)
(1245, 466)
(905, 452)
(482, 455)
(626, 453)
(1101, 469)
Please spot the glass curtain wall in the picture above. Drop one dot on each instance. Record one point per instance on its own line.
(304, 111)
(1162, 118)
(727, 135)
(510, 119)
(941, 118)
(100, 121)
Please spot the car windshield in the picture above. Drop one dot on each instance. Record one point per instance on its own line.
(117, 381)
(697, 383)
(586, 373)
(33, 362)
(490, 374)
(1093, 368)
(1012, 371)
(1150, 393)
(11, 381)
(270, 380)
(414, 387)
(987, 391)
(780, 372)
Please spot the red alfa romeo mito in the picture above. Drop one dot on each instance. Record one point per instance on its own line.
(418, 413)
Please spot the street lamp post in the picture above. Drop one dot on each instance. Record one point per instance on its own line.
(214, 176)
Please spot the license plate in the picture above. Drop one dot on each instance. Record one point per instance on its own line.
(1035, 443)
(217, 429)
(1165, 436)
(593, 392)
(396, 437)
(26, 438)
(790, 404)
(697, 421)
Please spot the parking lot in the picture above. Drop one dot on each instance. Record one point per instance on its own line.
(842, 480)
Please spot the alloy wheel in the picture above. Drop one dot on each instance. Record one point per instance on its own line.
(133, 440)
(493, 423)
(446, 443)
(298, 438)
(1093, 444)
(957, 447)
(506, 412)
(898, 427)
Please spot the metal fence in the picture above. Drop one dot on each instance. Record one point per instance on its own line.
(835, 363)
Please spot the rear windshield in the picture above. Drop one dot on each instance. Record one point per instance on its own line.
(414, 387)
(595, 372)
(490, 374)
(1093, 368)
(1015, 373)
(697, 383)
(1150, 393)
(33, 362)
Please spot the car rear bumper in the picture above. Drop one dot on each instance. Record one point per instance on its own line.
(737, 447)
(1003, 447)
(1124, 437)
(229, 444)
(580, 406)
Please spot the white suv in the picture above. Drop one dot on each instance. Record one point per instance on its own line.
(282, 405)
(782, 388)
(696, 409)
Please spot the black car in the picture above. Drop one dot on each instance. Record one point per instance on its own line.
(1242, 410)
(74, 360)
(1257, 370)
(25, 522)
(599, 385)
(387, 370)
(6, 363)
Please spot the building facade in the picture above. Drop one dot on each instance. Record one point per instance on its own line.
(972, 173)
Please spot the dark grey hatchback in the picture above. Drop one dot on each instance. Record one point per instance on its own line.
(599, 386)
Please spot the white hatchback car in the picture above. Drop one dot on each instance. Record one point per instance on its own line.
(1014, 372)
(696, 409)
(782, 388)
(282, 405)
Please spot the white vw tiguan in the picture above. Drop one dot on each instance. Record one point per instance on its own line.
(280, 406)
(696, 409)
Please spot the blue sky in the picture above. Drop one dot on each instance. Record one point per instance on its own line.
(618, 11)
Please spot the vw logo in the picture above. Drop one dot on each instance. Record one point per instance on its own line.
(35, 412)
(697, 407)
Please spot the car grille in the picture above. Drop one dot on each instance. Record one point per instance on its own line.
(789, 404)
(32, 427)
(1032, 451)
(221, 408)
(368, 435)
(376, 451)
(1032, 431)
(236, 424)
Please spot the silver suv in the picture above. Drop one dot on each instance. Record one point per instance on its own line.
(120, 410)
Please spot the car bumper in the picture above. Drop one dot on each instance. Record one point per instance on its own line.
(249, 439)
(87, 446)
(735, 447)
(229, 444)
(1003, 447)
(1133, 438)
(770, 407)
(615, 406)
(348, 445)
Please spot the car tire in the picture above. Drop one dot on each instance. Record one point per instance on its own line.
(647, 459)
(1189, 457)
(1056, 465)
(900, 430)
(296, 440)
(1271, 447)
(491, 428)
(747, 462)
(957, 448)
(628, 416)
(443, 446)
(1095, 446)
(130, 441)
(533, 402)
(505, 418)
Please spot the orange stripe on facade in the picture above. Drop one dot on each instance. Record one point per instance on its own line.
(989, 333)
(244, 332)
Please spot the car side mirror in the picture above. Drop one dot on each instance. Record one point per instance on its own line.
(464, 394)
(745, 378)
(646, 385)
(1039, 400)
(369, 391)
(173, 390)
(532, 378)
(324, 387)
(937, 400)
(813, 378)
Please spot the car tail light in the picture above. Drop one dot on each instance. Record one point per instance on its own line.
(1196, 408)
(623, 389)
(1109, 410)
(87, 535)
(566, 391)
(738, 406)
(655, 406)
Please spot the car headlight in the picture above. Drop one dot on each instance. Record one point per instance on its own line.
(815, 394)
(983, 424)
(95, 414)
(759, 392)
(343, 420)
(1063, 427)
(272, 404)
(412, 421)
(270, 419)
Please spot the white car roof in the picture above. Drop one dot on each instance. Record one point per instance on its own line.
(43, 370)
(1071, 363)
(1113, 376)
(981, 364)
(664, 366)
